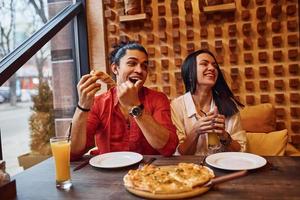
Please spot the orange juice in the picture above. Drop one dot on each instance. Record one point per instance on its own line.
(213, 139)
(61, 147)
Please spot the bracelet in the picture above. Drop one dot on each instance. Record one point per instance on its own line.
(83, 109)
(227, 141)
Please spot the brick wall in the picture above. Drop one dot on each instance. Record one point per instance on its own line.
(256, 44)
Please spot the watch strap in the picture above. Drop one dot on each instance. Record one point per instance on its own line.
(227, 141)
(141, 106)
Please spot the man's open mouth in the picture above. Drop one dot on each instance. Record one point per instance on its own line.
(133, 79)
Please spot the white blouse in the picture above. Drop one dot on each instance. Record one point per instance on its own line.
(184, 115)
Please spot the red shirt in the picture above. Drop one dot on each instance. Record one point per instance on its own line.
(107, 127)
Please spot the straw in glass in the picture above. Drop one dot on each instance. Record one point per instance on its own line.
(69, 135)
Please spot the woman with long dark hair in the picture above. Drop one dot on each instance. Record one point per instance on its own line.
(207, 115)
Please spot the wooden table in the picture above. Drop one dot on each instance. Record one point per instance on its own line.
(279, 180)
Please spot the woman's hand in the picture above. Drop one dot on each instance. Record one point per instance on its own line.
(225, 138)
(212, 122)
(218, 124)
(87, 88)
(204, 124)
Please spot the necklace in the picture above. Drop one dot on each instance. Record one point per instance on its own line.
(197, 105)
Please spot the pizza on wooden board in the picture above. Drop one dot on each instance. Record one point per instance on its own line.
(104, 77)
(172, 179)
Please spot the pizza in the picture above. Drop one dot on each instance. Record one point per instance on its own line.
(104, 77)
(172, 179)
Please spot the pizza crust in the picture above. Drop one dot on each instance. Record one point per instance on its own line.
(195, 192)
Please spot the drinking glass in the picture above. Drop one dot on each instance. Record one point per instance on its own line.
(213, 143)
(60, 147)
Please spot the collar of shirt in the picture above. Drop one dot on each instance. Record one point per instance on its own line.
(190, 105)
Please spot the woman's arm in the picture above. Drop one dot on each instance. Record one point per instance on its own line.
(235, 139)
(188, 141)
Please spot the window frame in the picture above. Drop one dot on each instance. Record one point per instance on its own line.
(12, 62)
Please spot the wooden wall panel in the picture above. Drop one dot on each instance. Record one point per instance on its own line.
(257, 47)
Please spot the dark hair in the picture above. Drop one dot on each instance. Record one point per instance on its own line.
(222, 95)
(120, 50)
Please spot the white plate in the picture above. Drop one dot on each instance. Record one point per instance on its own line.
(116, 159)
(235, 161)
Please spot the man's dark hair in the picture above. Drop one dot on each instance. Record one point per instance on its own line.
(222, 95)
(120, 50)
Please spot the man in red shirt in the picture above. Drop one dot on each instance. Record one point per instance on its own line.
(128, 117)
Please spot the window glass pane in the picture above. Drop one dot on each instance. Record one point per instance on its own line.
(25, 113)
(21, 18)
(42, 103)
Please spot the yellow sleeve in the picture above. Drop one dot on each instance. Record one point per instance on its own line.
(236, 131)
(177, 119)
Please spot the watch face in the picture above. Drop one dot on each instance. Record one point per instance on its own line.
(136, 111)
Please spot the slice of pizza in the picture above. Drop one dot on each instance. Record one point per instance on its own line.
(154, 180)
(139, 179)
(191, 174)
(104, 77)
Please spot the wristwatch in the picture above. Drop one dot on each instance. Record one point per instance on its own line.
(227, 141)
(136, 111)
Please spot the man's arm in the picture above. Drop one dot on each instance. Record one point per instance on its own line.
(160, 133)
(161, 136)
(78, 138)
(86, 88)
(156, 134)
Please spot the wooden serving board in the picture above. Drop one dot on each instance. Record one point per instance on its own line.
(195, 192)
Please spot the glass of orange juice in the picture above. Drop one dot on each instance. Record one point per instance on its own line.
(61, 147)
(213, 142)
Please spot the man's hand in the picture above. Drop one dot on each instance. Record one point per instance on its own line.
(104, 77)
(87, 88)
(127, 93)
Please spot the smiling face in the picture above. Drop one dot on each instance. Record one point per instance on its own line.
(133, 67)
(207, 72)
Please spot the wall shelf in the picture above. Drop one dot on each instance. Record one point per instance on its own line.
(126, 18)
(222, 7)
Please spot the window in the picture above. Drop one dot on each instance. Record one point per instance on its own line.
(51, 63)
(20, 19)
